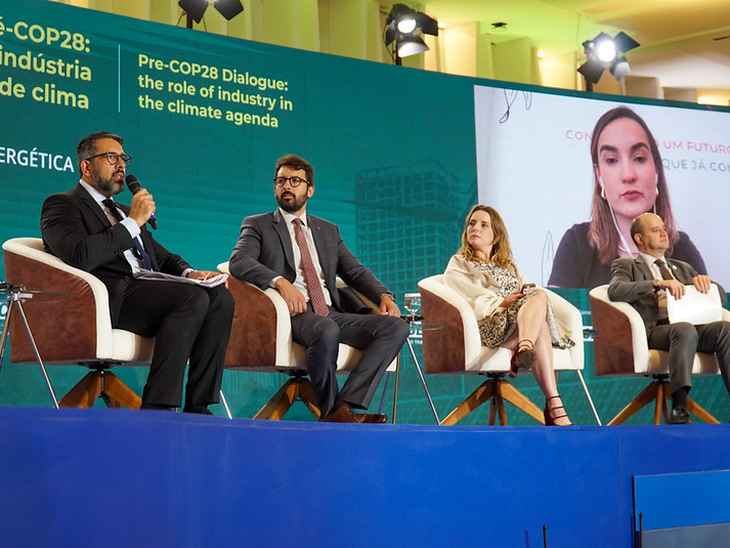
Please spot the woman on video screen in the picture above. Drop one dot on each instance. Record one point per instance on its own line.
(628, 181)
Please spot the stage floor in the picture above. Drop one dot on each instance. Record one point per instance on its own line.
(98, 477)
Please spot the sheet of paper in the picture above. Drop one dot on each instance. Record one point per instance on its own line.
(161, 276)
(695, 307)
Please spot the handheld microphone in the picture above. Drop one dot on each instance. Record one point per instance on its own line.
(134, 187)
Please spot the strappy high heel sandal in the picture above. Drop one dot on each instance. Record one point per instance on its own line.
(524, 356)
(550, 418)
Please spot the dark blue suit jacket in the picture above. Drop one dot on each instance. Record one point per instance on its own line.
(75, 229)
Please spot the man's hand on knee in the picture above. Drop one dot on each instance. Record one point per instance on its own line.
(388, 306)
(293, 297)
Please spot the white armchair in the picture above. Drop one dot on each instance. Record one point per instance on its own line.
(261, 340)
(621, 349)
(452, 346)
(68, 315)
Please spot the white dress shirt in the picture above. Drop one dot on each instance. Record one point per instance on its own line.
(128, 223)
(300, 282)
(650, 260)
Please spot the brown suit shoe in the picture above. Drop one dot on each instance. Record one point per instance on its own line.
(344, 413)
(374, 418)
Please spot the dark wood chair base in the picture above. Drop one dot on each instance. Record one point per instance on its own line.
(498, 390)
(298, 387)
(658, 392)
(104, 384)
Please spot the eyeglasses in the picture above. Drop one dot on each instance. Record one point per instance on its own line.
(113, 158)
(293, 181)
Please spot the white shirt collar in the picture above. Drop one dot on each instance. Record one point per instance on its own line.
(289, 217)
(98, 196)
(651, 260)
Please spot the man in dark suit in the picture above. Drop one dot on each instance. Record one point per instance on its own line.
(644, 283)
(88, 230)
(300, 255)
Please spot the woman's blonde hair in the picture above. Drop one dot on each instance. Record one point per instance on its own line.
(501, 249)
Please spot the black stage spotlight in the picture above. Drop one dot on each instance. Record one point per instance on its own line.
(228, 8)
(401, 20)
(194, 8)
(404, 30)
(604, 51)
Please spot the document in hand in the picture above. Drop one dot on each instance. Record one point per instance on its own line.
(162, 277)
(695, 307)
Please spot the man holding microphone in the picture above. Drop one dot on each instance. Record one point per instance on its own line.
(88, 230)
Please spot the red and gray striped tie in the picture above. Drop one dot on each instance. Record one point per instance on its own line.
(316, 295)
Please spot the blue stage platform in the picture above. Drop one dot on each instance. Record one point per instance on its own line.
(98, 477)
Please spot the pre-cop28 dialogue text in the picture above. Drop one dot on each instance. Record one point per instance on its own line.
(39, 54)
(196, 89)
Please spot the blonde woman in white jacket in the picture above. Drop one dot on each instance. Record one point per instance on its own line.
(512, 313)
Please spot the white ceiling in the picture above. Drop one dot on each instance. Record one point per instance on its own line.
(684, 43)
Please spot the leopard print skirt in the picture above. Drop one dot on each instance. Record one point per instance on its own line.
(495, 329)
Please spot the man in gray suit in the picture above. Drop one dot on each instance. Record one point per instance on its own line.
(644, 283)
(300, 255)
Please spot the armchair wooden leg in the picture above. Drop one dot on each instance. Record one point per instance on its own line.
(694, 408)
(101, 383)
(119, 392)
(647, 395)
(306, 394)
(499, 390)
(280, 403)
(494, 410)
(296, 388)
(660, 404)
(498, 404)
(84, 393)
(659, 392)
(483, 392)
(520, 401)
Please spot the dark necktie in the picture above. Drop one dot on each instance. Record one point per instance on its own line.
(666, 274)
(662, 315)
(137, 249)
(316, 295)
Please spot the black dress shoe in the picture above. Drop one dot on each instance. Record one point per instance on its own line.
(679, 415)
(158, 407)
(198, 410)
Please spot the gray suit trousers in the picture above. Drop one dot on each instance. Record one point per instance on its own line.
(380, 338)
(683, 339)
